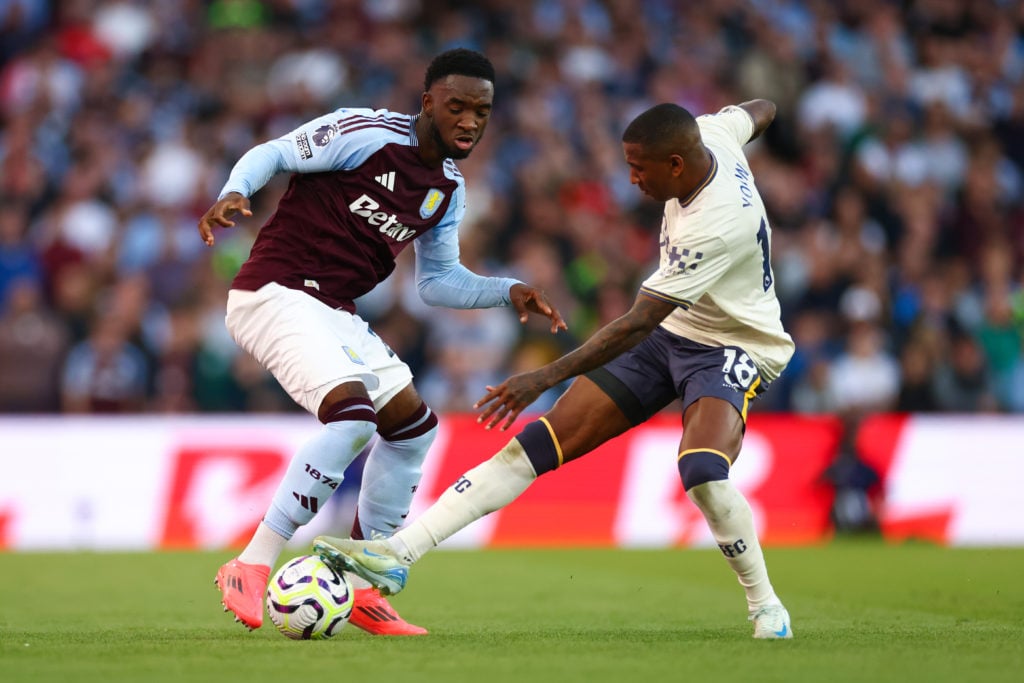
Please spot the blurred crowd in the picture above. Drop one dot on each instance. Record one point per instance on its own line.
(892, 177)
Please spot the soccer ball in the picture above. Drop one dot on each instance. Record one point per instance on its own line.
(308, 600)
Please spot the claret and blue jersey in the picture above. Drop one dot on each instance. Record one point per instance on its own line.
(358, 196)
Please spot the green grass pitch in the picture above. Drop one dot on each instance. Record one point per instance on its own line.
(862, 611)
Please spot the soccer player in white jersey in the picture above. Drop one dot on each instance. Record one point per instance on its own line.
(704, 328)
(365, 185)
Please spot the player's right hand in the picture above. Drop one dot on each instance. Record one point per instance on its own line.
(505, 401)
(220, 215)
(526, 299)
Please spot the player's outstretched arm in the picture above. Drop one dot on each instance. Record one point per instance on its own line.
(511, 397)
(528, 300)
(220, 215)
(763, 113)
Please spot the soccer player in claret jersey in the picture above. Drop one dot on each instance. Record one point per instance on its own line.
(365, 185)
(705, 328)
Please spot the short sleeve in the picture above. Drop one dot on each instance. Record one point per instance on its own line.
(735, 121)
(343, 139)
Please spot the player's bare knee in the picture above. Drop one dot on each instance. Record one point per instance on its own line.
(713, 424)
(417, 430)
(340, 397)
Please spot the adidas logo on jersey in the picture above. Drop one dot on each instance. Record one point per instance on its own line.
(387, 180)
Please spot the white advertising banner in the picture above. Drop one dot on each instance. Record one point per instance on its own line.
(139, 483)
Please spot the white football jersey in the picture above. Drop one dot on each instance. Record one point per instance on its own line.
(716, 255)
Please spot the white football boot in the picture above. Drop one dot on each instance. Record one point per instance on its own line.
(771, 622)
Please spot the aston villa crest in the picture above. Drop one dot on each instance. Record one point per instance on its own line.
(431, 203)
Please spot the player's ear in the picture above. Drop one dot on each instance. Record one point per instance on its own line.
(427, 103)
(676, 165)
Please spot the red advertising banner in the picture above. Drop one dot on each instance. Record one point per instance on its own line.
(254, 473)
(628, 491)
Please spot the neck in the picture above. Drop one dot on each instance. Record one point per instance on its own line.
(697, 169)
(428, 151)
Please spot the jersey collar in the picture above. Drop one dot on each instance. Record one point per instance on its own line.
(712, 170)
(413, 138)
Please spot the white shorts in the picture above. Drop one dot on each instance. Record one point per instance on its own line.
(310, 348)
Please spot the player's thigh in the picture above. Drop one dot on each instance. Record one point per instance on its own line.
(610, 400)
(391, 391)
(711, 423)
(583, 418)
(395, 399)
(718, 384)
(312, 349)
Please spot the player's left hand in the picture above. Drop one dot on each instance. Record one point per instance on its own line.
(528, 299)
(510, 398)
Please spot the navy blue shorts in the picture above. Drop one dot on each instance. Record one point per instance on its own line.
(665, 366)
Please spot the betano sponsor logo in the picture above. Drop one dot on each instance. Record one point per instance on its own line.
(383, 221)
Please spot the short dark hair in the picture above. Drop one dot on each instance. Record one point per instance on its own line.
(663, 129)
(461, 62)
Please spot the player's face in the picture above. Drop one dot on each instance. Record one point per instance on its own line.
(654, 177)
(458, 108)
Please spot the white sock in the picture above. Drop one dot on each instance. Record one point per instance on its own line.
(392, 473)
(264, 548)
(489, 486)
(732, 524)
(314, 473)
